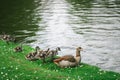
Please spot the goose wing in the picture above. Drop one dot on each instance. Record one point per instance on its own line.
(69, 58)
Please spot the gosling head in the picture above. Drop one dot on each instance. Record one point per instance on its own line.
(58, 49)
(37, 48)
(18, 49)
(47, 50)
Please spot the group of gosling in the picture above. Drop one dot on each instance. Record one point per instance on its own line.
(42, 54)
(64, 61)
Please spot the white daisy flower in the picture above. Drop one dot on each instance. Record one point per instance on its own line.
(1, 72)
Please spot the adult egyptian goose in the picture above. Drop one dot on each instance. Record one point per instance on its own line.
(69, 60)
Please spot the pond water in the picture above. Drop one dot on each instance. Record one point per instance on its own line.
(91, 24)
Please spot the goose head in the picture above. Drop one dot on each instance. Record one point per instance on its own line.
(78, 51)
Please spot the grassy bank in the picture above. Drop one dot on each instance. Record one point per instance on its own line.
(14, 66)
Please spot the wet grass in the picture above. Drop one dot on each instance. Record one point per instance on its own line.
(14, 66)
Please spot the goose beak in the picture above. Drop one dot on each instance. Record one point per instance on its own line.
(81, 49)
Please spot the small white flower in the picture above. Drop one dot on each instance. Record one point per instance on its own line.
(100, 70)
(91, 76)
(1, 72)
(114, 75)
(6, 74)
(16, 76)
(16, 68)
(3, 67)
(100, 73)
(35, 71)
(22, 73)
(36, 77)
(73, 79)
(11, 66)
(85, 73)
(81, 66)
(13, 79)
(56, 70)
(3, 75)
(66, 78)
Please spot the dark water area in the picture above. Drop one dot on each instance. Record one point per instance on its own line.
(91, 24)
(18, 17)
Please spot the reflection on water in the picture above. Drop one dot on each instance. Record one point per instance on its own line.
(57, 31)
(18, 17)
(92, 24)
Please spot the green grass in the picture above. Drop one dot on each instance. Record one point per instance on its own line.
(14, 66)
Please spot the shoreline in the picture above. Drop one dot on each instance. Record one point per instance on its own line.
(22, 69)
